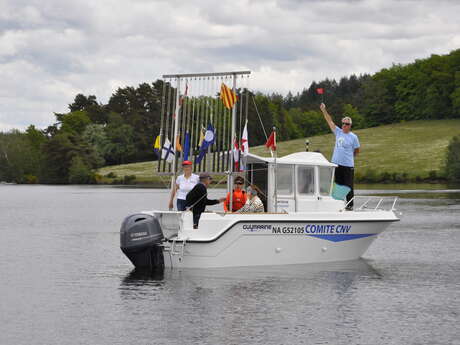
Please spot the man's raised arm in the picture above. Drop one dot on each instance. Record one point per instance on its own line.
(327, 117)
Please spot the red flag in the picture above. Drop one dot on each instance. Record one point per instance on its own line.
(271, 142)
(320, 91)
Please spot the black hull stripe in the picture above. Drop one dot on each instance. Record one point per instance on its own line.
(297, 221)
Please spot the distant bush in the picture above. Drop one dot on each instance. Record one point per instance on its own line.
(432, 175)
(30, 179)
(98, 178)
(386, 177)
(370, 176)
(128, 179)
(111, 175)
(452, 167)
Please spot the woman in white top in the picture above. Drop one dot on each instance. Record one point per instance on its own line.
(253, 202)
(184, 184)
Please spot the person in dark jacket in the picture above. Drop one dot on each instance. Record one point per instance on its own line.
(197, 198)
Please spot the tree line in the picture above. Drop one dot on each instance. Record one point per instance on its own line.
(91, 134)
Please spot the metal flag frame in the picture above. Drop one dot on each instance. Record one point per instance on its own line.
(187, 113)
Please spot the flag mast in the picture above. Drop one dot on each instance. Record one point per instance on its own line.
(233, 135)
(176, 131)
(232, 143)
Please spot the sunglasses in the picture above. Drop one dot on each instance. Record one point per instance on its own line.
(346, 123)
(238, 182)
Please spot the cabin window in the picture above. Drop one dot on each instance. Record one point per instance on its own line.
(306, 180)
(284, 179)
(325, 180)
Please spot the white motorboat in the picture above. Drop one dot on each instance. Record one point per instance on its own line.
(303, 223)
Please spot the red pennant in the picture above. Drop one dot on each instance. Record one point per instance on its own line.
(271, 142)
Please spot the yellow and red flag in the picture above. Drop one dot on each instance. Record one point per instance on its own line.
(228, 96)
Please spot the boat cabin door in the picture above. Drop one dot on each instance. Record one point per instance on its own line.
(281, 182)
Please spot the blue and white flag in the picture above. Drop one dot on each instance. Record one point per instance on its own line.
(208, 140)
(167, 151)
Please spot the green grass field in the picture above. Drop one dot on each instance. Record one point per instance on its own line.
(415, 148)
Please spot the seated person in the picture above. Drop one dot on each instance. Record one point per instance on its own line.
(253, 203)
(239, 196)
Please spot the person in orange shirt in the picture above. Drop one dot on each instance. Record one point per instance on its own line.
(239, 196)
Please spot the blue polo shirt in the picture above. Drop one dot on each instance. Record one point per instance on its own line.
(345, 145)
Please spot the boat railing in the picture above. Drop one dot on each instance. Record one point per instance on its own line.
(372, 203)
(170, 222)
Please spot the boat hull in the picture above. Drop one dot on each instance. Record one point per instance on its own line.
(277, 242)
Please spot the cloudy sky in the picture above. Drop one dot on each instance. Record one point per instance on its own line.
(50, 50)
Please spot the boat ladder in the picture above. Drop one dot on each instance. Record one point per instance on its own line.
(176, 248)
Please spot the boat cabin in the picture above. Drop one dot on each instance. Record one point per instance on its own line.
(294, 183)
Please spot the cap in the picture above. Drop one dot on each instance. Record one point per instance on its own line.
(239, 179)
(186, 163)
(204, 176)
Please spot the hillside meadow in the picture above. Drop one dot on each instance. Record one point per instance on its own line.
(404, 152)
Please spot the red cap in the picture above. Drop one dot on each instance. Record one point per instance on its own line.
(186, 163)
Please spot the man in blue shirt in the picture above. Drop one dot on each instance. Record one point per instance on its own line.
(345, 150)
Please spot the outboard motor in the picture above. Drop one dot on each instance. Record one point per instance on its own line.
(140, 236)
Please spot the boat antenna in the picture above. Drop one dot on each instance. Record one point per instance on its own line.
(276, 179)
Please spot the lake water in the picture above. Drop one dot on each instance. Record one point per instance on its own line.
(64, 280)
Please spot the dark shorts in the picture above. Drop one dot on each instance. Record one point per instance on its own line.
(345, 176)
(181, 205)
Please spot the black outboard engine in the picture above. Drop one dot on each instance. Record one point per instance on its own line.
(140, 236)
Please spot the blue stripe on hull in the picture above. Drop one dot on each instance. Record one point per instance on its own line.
(341, 237)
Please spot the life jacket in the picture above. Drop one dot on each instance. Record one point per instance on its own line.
(239, 199)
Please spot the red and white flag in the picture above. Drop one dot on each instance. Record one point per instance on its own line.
(236, 154)
(182, 97)
(244, 140)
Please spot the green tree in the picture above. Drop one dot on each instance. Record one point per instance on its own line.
(17, 157)
(95, 136)
(82, 102)
(79, 172)
(452, 167)
(377, 107)
(58, 153)
(74, 122)
(120, 148)
(357, 118)
(455, 96)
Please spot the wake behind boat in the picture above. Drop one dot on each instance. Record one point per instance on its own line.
(303, 221)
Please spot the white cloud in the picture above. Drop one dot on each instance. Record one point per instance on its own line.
(50, 50)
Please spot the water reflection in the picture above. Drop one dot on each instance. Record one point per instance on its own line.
(359, 266)
(244, 304)
(240, 281)
(139, 277)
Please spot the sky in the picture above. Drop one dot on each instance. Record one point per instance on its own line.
(51, 50)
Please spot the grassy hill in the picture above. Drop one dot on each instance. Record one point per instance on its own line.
(398, 152)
